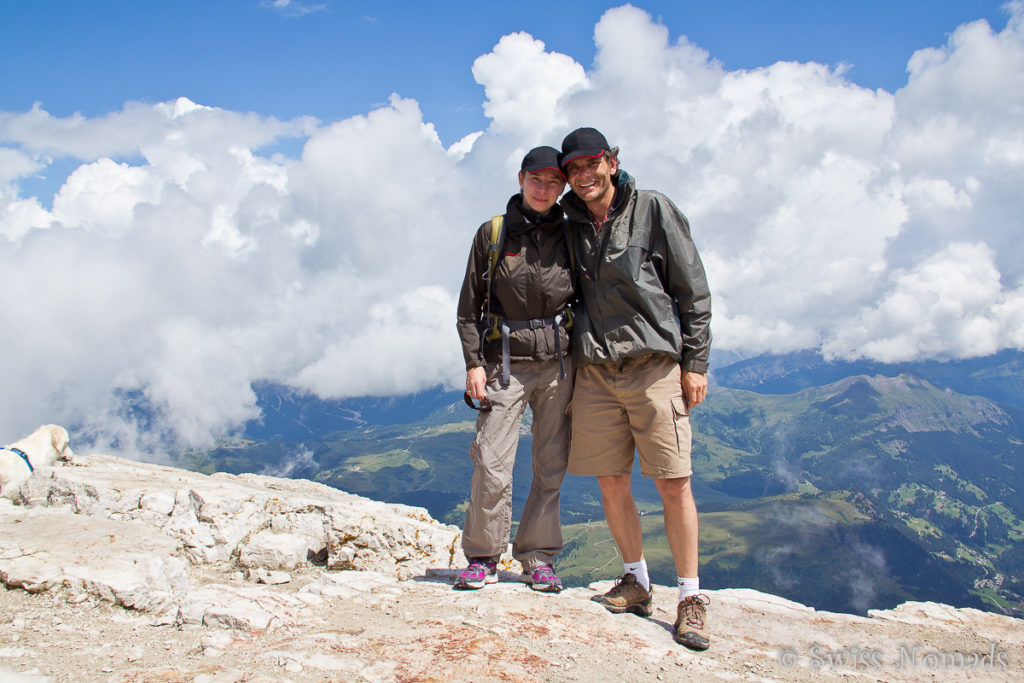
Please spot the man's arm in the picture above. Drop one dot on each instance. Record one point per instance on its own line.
(687, 284)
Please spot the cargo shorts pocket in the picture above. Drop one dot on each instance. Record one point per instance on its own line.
(681, 417)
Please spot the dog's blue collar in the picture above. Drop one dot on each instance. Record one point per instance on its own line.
(24, 456)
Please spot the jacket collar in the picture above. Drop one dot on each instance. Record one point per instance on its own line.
(521, 218)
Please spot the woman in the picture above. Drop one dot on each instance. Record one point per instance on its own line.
(513, 317)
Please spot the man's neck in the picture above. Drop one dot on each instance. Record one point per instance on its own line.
(602, 206)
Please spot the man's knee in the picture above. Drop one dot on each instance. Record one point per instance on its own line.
(677, 488)
(616, 486)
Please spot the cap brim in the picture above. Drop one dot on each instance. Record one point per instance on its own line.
(572, 156)
(544, 168)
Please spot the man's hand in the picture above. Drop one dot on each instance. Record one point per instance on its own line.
(476, 380)
(695, 388)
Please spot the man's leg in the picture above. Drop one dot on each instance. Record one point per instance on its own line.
(631, 593)
(602, 446)
(622, 516)
(661, 430)
(681, 526)
(624, 523)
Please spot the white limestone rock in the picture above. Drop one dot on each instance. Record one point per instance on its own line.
(126, 533)
(271, 550)
(252, 519)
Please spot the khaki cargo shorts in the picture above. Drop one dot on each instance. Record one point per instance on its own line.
(636, 409)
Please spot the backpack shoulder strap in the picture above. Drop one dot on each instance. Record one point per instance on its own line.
(497, 243)
(494, 250)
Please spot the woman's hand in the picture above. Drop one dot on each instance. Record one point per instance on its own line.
(476, 382)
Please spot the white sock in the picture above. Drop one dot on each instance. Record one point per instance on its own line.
(688, 586)
(639, 570)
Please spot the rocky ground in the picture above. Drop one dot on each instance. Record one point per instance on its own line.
(124, 572)
(382, 629)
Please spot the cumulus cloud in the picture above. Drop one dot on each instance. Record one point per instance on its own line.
(952, 303)
(524, 85)
(184, 259)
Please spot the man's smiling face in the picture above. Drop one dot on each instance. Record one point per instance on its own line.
(591, 178)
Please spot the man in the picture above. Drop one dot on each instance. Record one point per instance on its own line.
(513, 320)
(640, 347)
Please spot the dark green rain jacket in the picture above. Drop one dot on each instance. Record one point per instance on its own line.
(641, 281)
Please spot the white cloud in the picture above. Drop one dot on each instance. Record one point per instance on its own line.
(524, 84)
(180, 262)
(104, 195)
(950, 305)
(291, 8)
(18, 216)
(14, 164)
(460, 148)
(399, 347)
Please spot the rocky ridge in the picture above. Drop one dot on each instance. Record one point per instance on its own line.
(124, 571)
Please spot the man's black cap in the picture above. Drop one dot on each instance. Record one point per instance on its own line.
(583, 142)
(540, 158)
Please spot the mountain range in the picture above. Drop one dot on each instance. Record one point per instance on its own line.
(844, 486)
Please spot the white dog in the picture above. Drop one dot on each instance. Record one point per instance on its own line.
(43, 448)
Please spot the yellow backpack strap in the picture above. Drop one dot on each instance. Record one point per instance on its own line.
(492, 250)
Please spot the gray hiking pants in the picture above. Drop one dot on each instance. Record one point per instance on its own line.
(493, 451)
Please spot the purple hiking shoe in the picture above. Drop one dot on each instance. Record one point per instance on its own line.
(542, 579)
(480, 572)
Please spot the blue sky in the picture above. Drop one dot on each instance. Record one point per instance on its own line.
(343, 58)
(198, 196)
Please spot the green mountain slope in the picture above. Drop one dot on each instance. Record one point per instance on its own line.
(818, 548)
(934, 472)
(861, 493)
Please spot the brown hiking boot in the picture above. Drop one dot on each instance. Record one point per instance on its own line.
(691, 627)
(627, 596)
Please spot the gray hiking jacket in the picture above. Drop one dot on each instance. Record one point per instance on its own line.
(642, 283)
